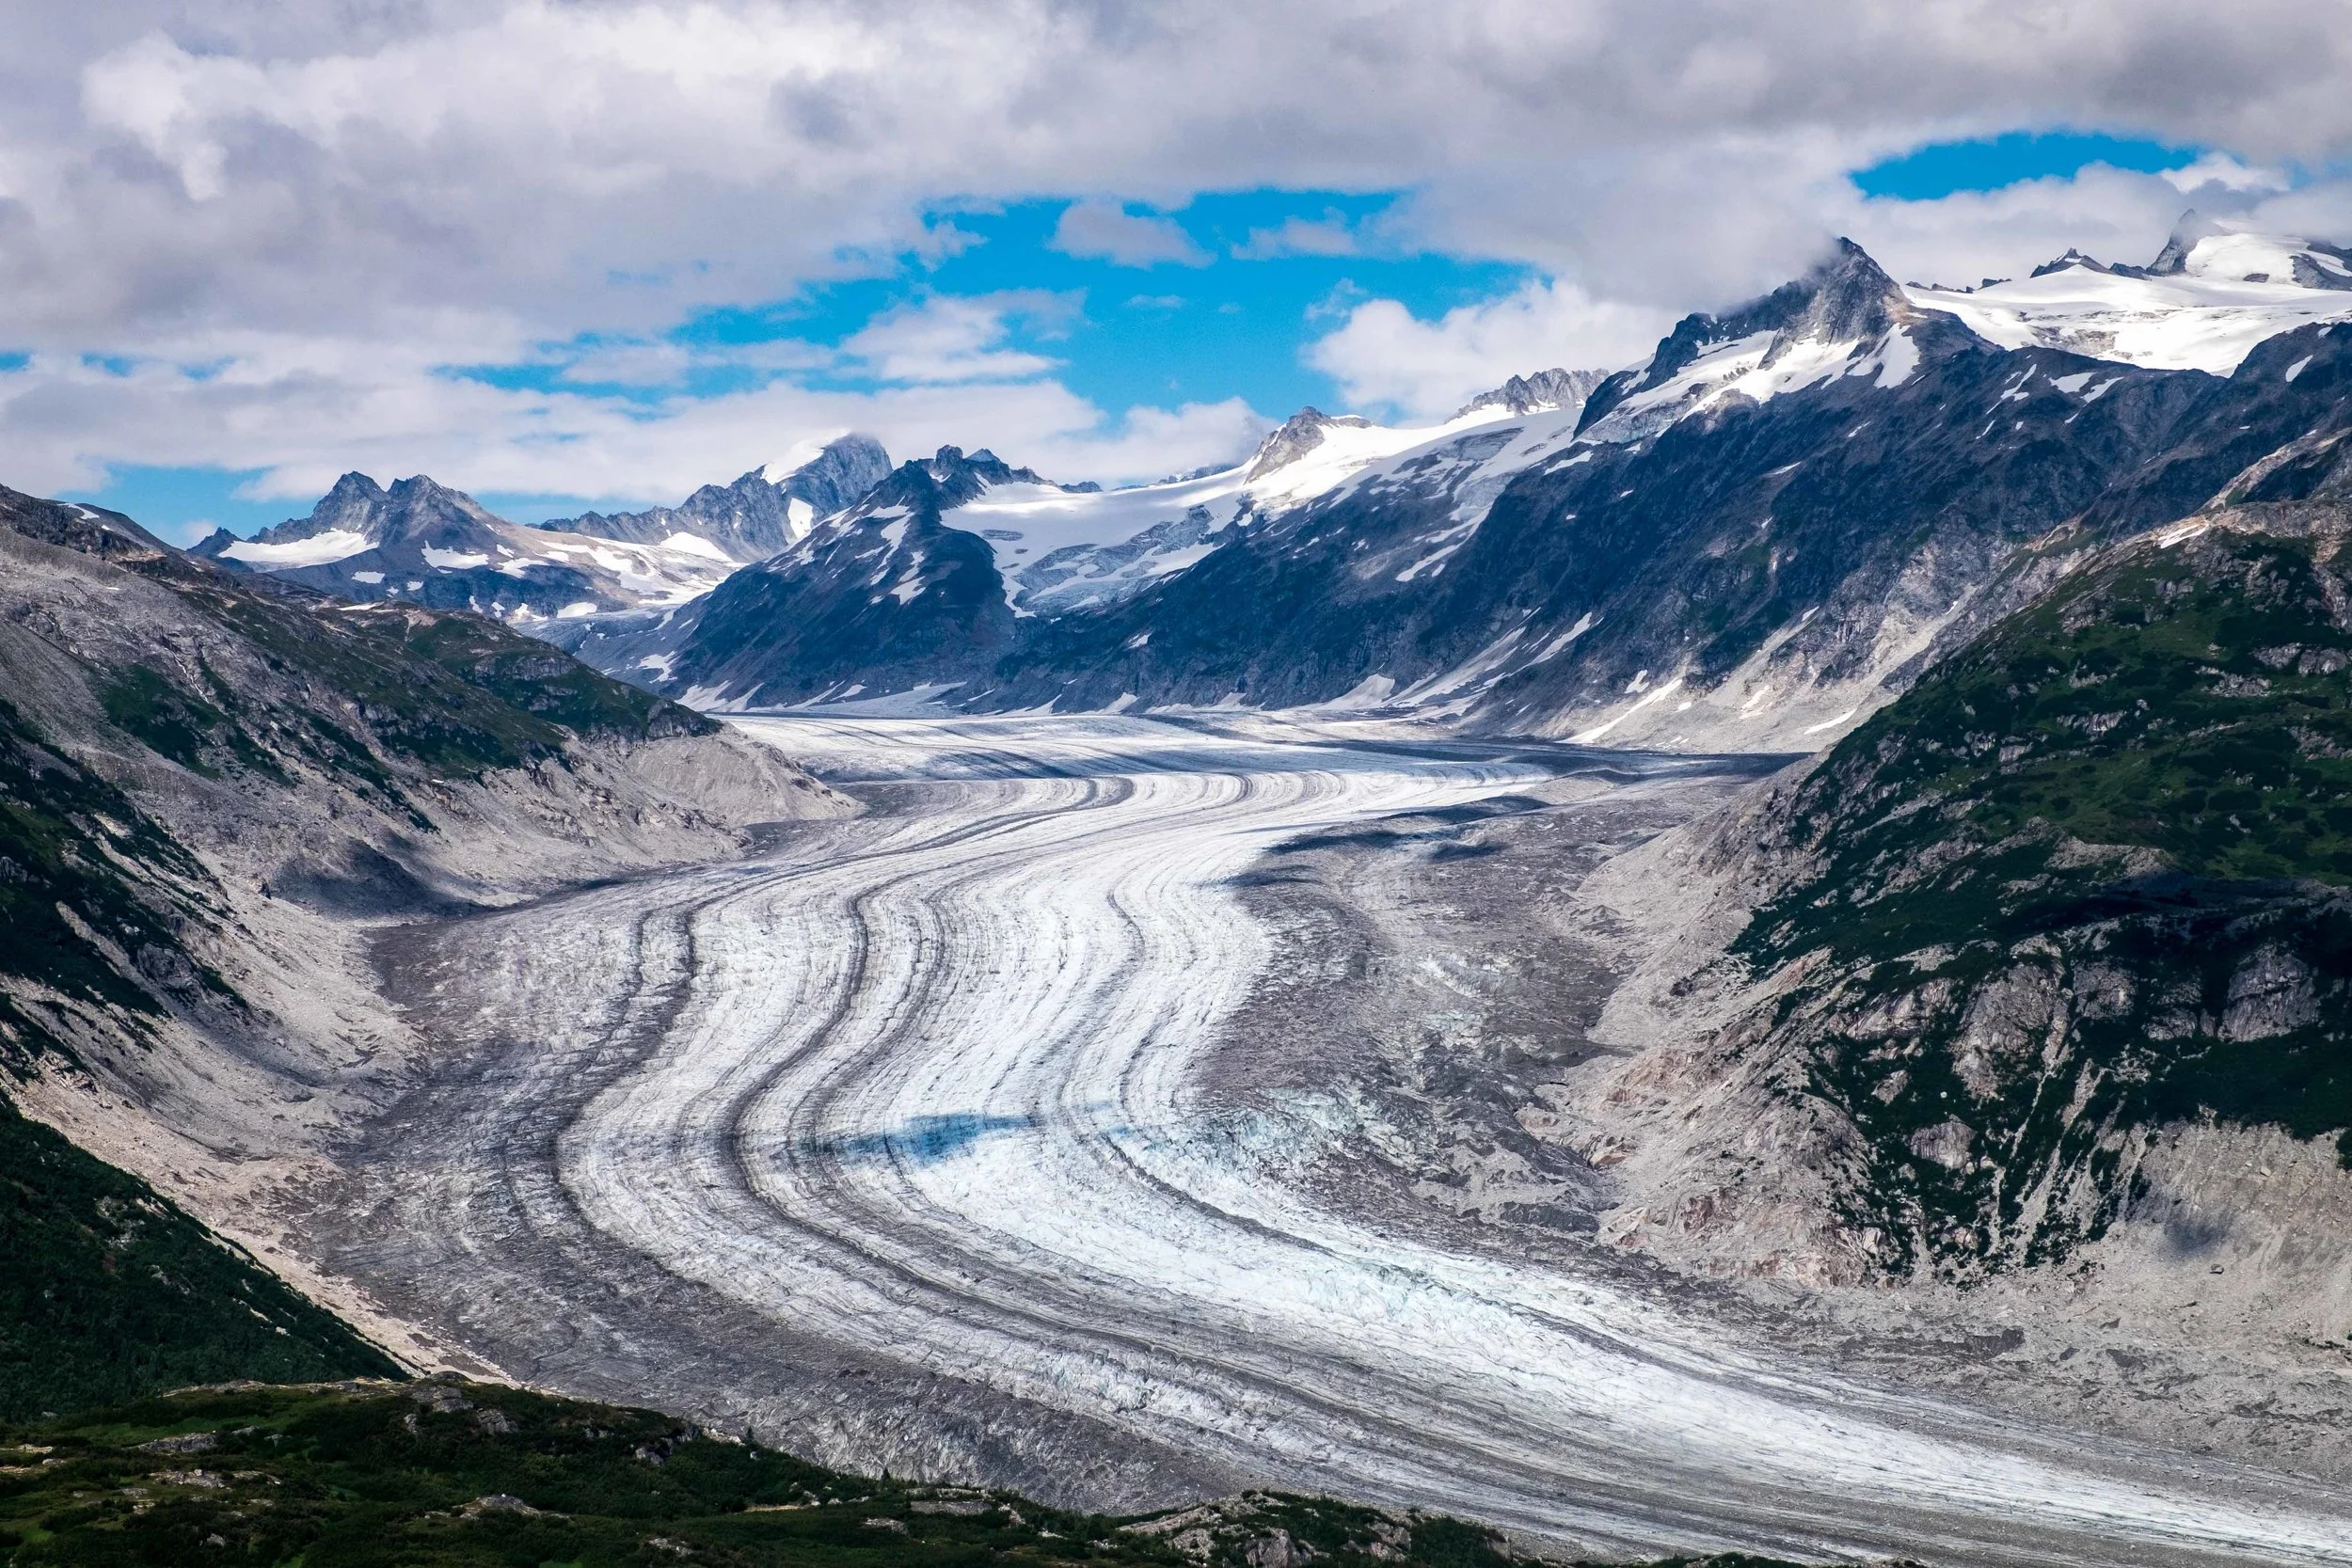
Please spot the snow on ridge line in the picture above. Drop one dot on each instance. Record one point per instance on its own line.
(2174, 322)
(1026, 523)
(1759, 368)
(320, 549)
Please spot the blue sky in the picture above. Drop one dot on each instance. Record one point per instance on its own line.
(1121, 303)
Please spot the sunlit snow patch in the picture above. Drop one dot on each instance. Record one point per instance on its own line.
(2232, 291)
(317, 550)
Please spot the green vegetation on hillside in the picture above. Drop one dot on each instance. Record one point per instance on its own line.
(455, 693)
(100, 903)
(2081, 881)
(443, 1473)
(110, 1292)
(84, 871)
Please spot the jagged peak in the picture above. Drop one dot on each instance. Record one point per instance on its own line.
(843, 470)
(1297, 435)
(941, 482)
(1556, 387)
(2074, 258)
(1845, 297)
(2173, 259)
(351, 486)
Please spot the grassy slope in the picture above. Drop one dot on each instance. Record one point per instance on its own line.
(1972, 958)
(361, 1476)
(454, 693)
(111, 1293)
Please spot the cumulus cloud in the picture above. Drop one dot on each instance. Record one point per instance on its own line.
(1971, 235)
(951, 338)
(337, 200)
(612, 165)
(2227, 173)
(1328, 235)
(1106, 229)
(1385, 357)
(305, 415)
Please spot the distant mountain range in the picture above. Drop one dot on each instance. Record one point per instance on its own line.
(1750, 540)
(421, 543)
(760, 513)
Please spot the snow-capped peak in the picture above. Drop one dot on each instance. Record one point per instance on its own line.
(2210, 295)
(1299, 435)
(1538, 394)
(1844, 317)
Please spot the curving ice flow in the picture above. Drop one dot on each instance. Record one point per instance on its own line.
(928, 1093)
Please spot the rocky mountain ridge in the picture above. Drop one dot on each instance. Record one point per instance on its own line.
(756, 515)
(1748, 542)
(419, 542)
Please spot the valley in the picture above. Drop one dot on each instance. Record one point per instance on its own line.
(917, 1138)
(1747, 955)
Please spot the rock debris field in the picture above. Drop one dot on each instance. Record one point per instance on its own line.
(887, 1143)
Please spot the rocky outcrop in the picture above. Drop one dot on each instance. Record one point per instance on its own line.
(756, 516)
(1536, 393)
(2083, 887)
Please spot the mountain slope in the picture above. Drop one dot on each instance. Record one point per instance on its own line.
(757, 516)
(1765, 523)
(1023, 554)
(112, 1293)
(1749, 541)
(211, 785)
(885, 596)
(2078, 896)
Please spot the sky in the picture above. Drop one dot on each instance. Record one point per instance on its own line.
(596, 253)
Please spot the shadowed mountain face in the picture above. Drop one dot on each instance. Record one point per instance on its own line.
(229, 685)
(1775, 516)
(886, 598)
(190, 757)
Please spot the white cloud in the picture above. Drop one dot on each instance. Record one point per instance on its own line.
(1384, 357)
(331, 201)
(1966, 237)
(2229, 174)
(1328, 235)
(609, 167)
(303, 411)
(951, 338)
(1107, 230)
(653, 364)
